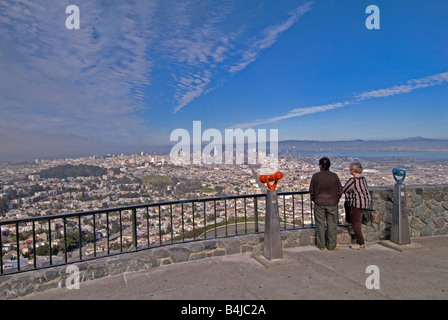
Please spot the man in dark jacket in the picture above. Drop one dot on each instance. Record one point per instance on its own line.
(326, 190)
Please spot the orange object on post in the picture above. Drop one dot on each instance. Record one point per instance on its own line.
(267, 178)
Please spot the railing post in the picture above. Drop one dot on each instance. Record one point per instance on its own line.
(1, 252)
(65, 239)
(49, 241)
(256, 213)
(80, 237)
(94, 236)
(134, 228)
(18, 247)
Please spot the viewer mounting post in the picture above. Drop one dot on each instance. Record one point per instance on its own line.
(272, 237)
(400, 225)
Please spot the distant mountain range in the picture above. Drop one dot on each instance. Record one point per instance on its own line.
(410, 144)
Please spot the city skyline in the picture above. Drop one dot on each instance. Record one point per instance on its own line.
(135, 71)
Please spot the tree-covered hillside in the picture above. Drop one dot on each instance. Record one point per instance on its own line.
(68, 170)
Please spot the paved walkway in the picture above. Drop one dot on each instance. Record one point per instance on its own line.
(420, 271)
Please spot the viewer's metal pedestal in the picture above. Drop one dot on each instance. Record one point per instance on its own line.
(399, 236)
(272, 237)
(399, 232)
(400, 224)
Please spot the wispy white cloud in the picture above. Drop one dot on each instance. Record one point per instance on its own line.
(298, 112)
(90, 80)
(269, 37)
(191, 87)
(215, 48)
(93, 81)
(410, 86)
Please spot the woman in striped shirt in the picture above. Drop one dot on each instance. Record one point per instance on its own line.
(358, 197)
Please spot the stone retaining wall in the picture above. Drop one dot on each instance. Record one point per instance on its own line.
(427, 211)
(427, 208)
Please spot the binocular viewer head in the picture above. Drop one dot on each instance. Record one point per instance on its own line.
(267, 178)
(399, 175)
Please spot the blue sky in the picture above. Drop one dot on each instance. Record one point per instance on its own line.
(137, 70)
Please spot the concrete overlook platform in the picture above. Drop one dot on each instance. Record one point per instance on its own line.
(418, 272)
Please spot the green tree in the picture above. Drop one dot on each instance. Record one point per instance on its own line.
(3, 206)
(45, 250)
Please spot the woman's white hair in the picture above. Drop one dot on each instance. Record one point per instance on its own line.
(356, 166)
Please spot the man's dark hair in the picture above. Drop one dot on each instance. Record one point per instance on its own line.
(325, 163)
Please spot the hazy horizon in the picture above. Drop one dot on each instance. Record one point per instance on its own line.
(307, 151)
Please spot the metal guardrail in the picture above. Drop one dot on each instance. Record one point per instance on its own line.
(46, 241)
